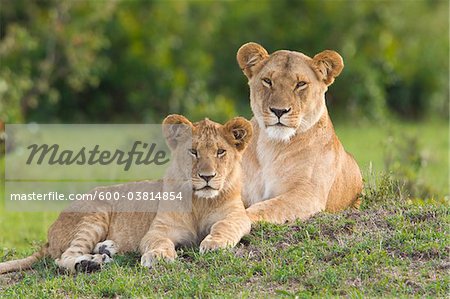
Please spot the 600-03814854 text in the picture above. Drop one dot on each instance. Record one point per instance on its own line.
(97, 195)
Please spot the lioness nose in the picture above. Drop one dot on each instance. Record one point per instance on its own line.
(207, 178)
(279, 112)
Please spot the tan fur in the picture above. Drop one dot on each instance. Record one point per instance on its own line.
(299, 167)
(77, 233)
(217, 219)
(77, 236)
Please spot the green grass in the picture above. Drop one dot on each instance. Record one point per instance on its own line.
(393, 247)
(367, 143)
(389, 248)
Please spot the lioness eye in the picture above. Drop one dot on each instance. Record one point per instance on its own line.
(193, 152)
(300, 85)
(220, 152)
(267, 81)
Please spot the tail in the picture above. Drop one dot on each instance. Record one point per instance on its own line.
(25, 263)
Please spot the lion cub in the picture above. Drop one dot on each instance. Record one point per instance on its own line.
(217, 218)
(84, 238)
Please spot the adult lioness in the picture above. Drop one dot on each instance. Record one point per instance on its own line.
(295, 166)
(82, 240)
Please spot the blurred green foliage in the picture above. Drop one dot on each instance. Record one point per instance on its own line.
(136, 61)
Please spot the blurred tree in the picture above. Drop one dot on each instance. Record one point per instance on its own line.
(136, 61)
(49, 51)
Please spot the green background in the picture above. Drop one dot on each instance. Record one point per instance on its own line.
(137, 61)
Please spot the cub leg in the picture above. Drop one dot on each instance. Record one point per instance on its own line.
(227, 232)
(162, 238)
(91, 229)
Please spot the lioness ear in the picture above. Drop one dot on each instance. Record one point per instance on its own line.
(238, 132)
(175, 129)
(249, 56)
(328, 65)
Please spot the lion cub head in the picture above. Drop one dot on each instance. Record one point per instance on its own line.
(213, 150)
(287, 88)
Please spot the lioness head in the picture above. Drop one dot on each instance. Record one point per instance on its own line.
(287, 88)
(215, 151)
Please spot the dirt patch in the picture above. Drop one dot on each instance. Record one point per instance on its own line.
(426, 255)
(252, 252)
(444, 266)
(421, 217)
(335, 256)
(9, 279)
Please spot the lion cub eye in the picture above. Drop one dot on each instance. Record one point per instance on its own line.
(221, 152)
(267, 82)
(193, 152)
(301, 85)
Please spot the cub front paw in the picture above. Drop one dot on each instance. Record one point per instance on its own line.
(85, 263)
(210, 244)
(107, 247)
(151, 257)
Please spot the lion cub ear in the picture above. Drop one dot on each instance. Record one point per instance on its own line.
(328, 65)
(249, 56)
(238, 132)
(176, 128)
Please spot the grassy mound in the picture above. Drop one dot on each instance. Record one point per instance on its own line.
(393, 246)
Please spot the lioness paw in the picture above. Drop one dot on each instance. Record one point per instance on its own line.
(151, 257)
(210, 244)
(254, 215)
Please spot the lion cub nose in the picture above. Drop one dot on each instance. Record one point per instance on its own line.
(279, 112)
(207, 178)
